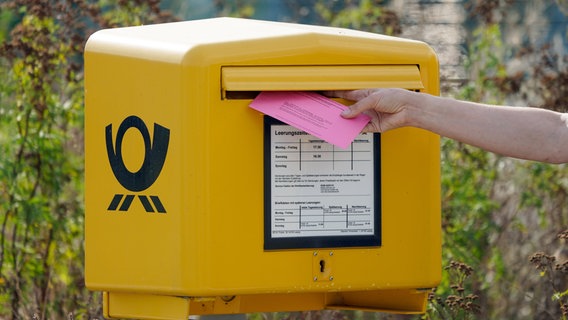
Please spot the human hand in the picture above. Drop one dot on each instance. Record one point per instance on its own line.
(386, 107)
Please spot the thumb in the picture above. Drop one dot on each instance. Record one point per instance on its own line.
(351, 112)
(358, 107)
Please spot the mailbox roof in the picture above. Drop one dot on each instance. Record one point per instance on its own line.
(171, 41)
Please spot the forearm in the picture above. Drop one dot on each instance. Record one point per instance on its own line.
(526, 133)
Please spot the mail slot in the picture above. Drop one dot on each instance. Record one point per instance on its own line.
(197, 204)
(303, 78)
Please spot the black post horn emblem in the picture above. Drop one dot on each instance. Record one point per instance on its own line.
(155, 152)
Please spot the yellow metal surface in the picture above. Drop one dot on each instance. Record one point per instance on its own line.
(147, 306)
(305, 78)
(322, 265)
(120, 305)
(195, 229)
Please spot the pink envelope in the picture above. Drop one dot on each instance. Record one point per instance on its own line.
(312, 113)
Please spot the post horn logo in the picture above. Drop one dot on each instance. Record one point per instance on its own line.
(154, 157)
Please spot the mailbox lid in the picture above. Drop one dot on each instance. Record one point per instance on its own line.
(170, 42)
(302, 78)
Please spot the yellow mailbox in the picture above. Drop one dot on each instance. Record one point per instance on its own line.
(198, 204)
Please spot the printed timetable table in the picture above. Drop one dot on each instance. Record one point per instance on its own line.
(308, 219)
(309, 153)
(318, 189)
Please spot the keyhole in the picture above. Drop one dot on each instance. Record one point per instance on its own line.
(322, 265)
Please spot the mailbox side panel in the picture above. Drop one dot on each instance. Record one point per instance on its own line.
(134, 232)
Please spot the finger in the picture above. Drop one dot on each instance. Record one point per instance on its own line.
(367, 103)
(350, 112)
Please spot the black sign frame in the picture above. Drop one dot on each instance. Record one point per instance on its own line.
(310, 242)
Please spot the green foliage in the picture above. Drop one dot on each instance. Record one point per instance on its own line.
(116, 13)
(467, 181)
(41, 210)
(485, 63)
(468, 187)
(474, 203)
(459, 304)
(6, 19)
(41, 148)
(547, 189)
(367, 15)
(553, 274)
(237, 9)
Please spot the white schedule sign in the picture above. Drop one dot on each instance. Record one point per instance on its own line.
(321, 193)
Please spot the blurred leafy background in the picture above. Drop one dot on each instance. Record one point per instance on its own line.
(504, 220)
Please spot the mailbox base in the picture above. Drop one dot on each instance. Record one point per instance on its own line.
(150, 306)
